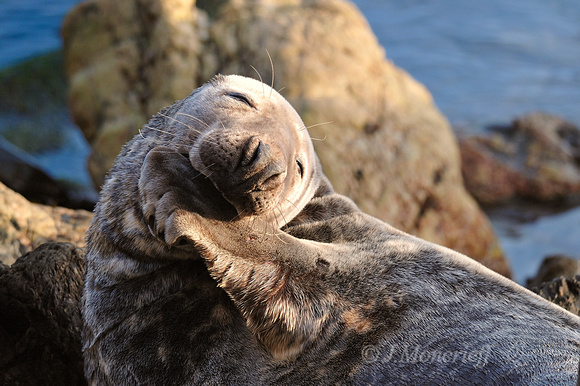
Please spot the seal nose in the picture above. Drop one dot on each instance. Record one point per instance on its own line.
(251, 152)
(260, 160)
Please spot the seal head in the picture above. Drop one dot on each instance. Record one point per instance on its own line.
(256, 150)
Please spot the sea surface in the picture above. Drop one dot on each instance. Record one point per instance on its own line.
(484, 62)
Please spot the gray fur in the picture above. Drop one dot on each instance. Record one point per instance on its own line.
(189, 284)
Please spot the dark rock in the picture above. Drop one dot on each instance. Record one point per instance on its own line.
(563, 292)
(20, 174)
(537, 158)
(40, 322)
(553, 267)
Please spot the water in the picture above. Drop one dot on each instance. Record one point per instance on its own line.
(30, 27)
(526, 241)
(484, 63)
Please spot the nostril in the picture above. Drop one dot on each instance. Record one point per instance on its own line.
(251, 151)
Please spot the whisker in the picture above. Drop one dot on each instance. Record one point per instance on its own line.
(188, 126)
(261, 81)
(293, 204)
(178, 121)
(156, 129)
(285, 222)
(202, 122)
(201, 172)
(150, 139)
(282, 214)
(265, 228)
(316, 124)
(239, 215)
(279, 238)
(253, 223)
(282, 88)
(221, 123)
(248, 227)
(197, 130)
(276, 226)
(318, 139)
(196, 119)
(273, 72)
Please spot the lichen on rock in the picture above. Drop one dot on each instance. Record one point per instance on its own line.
(562, 291)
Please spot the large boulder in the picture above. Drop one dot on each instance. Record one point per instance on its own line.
(537, 157)
(40, 321)
(379, 136)
(125, 60)
(24, 225)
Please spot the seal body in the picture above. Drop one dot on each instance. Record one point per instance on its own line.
(233, 150)
(220, 254)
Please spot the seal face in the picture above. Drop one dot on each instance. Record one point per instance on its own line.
(219, 254)
(247, 141)
(256, 150)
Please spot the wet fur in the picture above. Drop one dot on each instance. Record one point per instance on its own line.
(181, 289)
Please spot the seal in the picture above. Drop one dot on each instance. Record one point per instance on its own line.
(220, 254)
(233, 150)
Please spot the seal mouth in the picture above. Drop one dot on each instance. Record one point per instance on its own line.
(215, 199)
(248, 171)
(244, 200)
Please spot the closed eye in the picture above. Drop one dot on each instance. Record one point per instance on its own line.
(241, 98)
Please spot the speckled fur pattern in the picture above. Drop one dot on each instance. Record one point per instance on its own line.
(187, 285)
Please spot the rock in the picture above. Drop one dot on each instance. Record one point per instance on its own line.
(553, 267)
(40, 322)
(537, 158)
(24, 226)
(144, 54)
(19, 173)
(382, 140)
(23, 174)
(563, 292)
(36, 126)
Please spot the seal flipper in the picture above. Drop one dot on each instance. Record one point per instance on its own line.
(259, 272)
(289, 289)
(168, 182)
